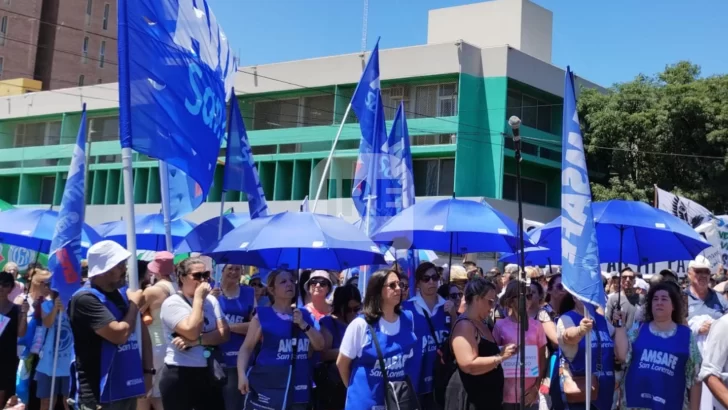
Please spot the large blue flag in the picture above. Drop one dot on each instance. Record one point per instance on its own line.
(373, 191)
(176, 73)
(241, 174)
(185, 194)
(64, 260)
(580, 269)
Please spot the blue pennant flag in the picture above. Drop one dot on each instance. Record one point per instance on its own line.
(185, 194)
(241, 174)
(176, 73)
(581, 273)
(64, 260)
(373, 192)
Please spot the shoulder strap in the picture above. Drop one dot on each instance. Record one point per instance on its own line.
(375, 340)
(430, 325)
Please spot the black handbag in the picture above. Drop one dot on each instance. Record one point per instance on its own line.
(398, 395)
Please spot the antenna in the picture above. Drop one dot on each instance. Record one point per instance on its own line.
(364, 24)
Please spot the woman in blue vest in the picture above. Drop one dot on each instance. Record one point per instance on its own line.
(281, 376)
(237, 303)
(358, 361)
(661, 356)
(433, 316)
(569, 376)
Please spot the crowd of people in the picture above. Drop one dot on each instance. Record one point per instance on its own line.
(307, 340)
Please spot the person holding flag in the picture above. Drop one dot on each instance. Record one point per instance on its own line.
(585, 375)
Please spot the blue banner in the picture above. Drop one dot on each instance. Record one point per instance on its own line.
(241, 174)
(185, 194)
(373, 191)
(176, 73)
(64, 260)
(581, 273)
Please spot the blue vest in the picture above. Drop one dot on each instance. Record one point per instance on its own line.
(605, 397)
(336, 328)
(65, 346)
(276, 348)
(122, 376)
(236, 311)
(402, 355)
(428, 343)
(656, 375)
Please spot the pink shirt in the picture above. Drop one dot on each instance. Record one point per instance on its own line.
(17, 290)
(506, 332)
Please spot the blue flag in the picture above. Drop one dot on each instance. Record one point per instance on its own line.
(64, 260)
(185, 194)
(241, 174)
(580, 269)
(373, 191)
(176, 73)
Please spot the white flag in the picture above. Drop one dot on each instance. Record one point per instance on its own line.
(688, 210)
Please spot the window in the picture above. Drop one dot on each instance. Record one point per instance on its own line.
(434, 177)
(47, 189)
(437, 139)
(37, 134)
(392, 97)
(105, 24)
(437, 100)
(2, 63)
(84, 50)
(80, 80)
(99, 81)
(263, 149)
(550, 154)
(533, 112)
(102, 53)
(3, 29)
(534, 192)
(89, 9)
(103, 129)
(318, 110)
(276, 114)
(526, 148)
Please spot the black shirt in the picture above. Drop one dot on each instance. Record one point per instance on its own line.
(87, 315)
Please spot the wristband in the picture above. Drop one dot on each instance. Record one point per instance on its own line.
(307, 328)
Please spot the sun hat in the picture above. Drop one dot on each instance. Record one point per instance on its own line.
(700, 262)
(318, 274)
(104, 256)
(163, 263)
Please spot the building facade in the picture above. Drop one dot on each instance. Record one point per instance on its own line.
(458, 93)
(61, 43)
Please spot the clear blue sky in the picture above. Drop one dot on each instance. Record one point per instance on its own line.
(605, 41)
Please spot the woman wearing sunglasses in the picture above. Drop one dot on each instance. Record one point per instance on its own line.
(261, 293)
(318, 286)
(358, 360)
(195, 325)
(433, 316)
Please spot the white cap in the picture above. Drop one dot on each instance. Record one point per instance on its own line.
(103, 256)
(641, 284)
(700, 262)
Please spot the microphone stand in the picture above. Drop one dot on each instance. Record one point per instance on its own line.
(515, 124)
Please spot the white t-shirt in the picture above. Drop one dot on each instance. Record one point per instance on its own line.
(715, 355)
(174, 310)
(356, 335)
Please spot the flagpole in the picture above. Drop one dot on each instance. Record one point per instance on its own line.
(221, 217)
(59, 315)
(328, 160)
(588, 369)
(364, 279)
(164, 188)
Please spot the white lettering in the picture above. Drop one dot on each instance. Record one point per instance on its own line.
(575, 179)
(194, 109)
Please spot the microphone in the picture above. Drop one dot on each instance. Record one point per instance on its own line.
(515, 124)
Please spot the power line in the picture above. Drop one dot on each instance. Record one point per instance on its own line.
(57, 25)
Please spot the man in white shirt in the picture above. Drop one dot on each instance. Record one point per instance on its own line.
(714, 371)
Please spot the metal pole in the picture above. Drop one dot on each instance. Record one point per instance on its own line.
(588, 368)
(59, 315)
(164, 188)
(619, 280)
(127, 172)
(328, 160)
(364, 278)
(221, 219)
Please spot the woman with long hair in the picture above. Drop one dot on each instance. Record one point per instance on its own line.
(506, 332)
(238, 304)
(287, 340)
(478, 381)
(385, 325)
(195, 325)
(433, 316)
(331, 394)
(14, 325)
(661, 356)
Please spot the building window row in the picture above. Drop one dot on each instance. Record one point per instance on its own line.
(432, 100)
(2, 64)
(84, 51)
(434, 177)
(533, 112)
(3, 29)
(534, 192)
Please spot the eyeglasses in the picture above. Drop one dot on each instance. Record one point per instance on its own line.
(428, 278)
(395, 285)
(200, 276)
(456, 296)
(321, 282)
(627, 277)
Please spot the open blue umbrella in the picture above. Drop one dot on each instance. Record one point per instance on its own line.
(294, 240)
(450, 225)
(33, 228)
(205, 234)
(149, 232)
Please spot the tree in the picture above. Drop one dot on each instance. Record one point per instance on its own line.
(670, 129)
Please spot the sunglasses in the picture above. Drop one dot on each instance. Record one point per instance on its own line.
(200, 276)
(456, 296)
(395, 285)
(321, 282)
(428, 278)
(256, 285)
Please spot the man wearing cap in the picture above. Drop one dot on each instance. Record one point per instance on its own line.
(702, 300)
(103, 319)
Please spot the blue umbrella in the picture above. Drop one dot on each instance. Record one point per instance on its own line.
(205, 234)
(536, 255)
(297, 239)
(149, 232)
(450, 225)
(33, 228)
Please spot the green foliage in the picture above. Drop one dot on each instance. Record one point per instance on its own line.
(653, 130)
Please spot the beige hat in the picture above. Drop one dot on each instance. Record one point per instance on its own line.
(104, 256)
(458, 273)
(700, 262)
(318, 274)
